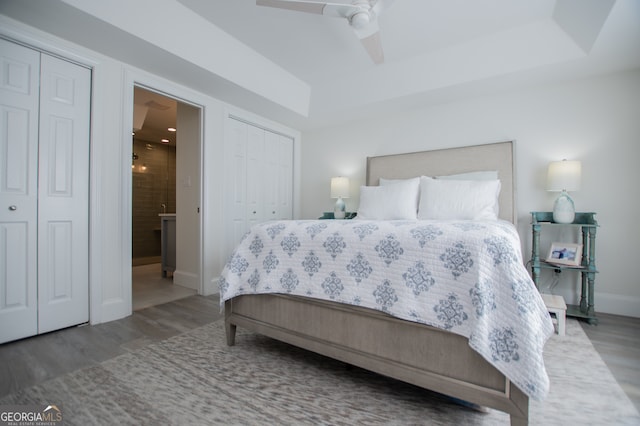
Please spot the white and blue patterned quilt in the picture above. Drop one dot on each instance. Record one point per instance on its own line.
(466, 277)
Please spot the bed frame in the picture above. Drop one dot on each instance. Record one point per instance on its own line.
(415, 353)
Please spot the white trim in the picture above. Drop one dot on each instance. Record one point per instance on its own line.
(187, 280)
(259, 121)
(35, 39)
(212, 286)
(95, 207)
(134, 77)
(126, 191)
(617, 304)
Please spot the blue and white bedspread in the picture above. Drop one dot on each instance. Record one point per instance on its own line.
(466, 277)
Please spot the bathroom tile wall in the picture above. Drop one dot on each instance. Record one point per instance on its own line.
(154, 184)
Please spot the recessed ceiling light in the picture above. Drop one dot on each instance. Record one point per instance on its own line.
(171, 129)
(165, 141)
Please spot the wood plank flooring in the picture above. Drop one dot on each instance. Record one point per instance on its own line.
(30, 361)
(617, 340)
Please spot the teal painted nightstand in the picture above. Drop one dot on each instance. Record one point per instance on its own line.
(329, 215)
(587, 268)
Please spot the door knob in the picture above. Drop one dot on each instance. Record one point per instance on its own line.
(13, 208)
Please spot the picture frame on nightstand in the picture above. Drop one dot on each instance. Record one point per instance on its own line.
(565, 254)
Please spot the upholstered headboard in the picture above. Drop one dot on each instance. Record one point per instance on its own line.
(495, 156)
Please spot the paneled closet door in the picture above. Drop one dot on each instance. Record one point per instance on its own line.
(44, 192)
(19, 97)
(63, 195)
(235, 182)
(278, 176)
(255, 176)
(270, 173)
(285, 178)
(259, 178)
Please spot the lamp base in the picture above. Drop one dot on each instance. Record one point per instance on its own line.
(339, 209)
(564, 210)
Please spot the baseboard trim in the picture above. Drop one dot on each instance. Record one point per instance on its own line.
(186, 279)
(212, 287)
(616, 304)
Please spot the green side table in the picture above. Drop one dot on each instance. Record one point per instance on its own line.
(587, 268)
(329, 215)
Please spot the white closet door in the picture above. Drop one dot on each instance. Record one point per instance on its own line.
(19, 68)
(255, 176)
(235, 182)
(277, 179)
(258, 178)
(63, 225)
(285, 178)
(270, 179)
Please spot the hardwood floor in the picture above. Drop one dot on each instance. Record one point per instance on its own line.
(617, 340)
(36, 359)
(33, 360)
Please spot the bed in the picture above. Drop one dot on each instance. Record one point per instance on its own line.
(399, 343)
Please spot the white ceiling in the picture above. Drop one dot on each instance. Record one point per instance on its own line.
(316, 48)
(436, 50)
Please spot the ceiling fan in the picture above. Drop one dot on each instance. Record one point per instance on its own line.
(361, 14)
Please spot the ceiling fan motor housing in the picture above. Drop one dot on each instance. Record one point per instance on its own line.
(360, 20)
(362, 16)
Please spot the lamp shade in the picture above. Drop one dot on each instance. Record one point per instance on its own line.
(564, 175)
(340, 187)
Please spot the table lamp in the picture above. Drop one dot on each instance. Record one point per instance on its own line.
(564, 176)
(339, 190)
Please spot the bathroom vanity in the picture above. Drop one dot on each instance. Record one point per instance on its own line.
(168, 241)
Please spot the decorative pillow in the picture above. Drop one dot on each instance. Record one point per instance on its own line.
(384, 182)
(459, 199)
(390, 201)
(484, 175)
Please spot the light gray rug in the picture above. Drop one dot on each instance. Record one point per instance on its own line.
(195, 379)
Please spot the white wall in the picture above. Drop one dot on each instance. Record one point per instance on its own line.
(110, 174)
(188, 197)
(276, 84)
(594, 120)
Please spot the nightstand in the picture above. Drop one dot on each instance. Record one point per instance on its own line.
(588, 225)
(329, 215)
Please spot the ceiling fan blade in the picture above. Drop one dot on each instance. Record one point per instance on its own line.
(381, 5)
(370, 38)
(373, 45)
(366, 28)
(321, 8)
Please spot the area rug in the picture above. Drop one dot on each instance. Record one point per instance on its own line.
(195, 379)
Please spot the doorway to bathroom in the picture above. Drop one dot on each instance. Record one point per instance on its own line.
(154, 198)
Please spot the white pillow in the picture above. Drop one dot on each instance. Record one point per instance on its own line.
(384, 182)
(389, 202)
(459, 199)
(484, 175)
